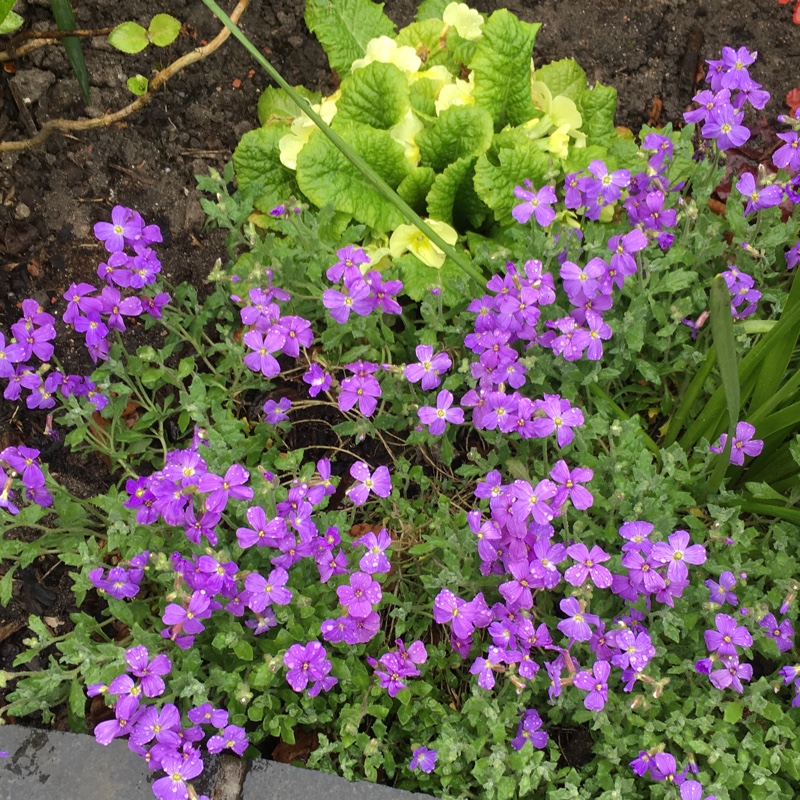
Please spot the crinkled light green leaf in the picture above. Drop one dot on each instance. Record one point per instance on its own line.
(163, 30)
(598, 106)
(459, 131)
(511, 160)
(415, 186)
(375, 95)
(344, 27)
(326, 176)
(431, 9)
(276, 105)
(423, 97)
(502, 68)
(563, 77)
(258, 167)
(129, 37)
(453, 198)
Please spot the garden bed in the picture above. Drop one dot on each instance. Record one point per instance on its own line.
(652, 53)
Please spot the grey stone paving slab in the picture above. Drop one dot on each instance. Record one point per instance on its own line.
(269, 780)
(48, 765)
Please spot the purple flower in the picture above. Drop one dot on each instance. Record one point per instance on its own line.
(677, 554)
(743, 443)
(355, 298)
(308, 663)
(720, 592)
(588, 566)
(782, 633)
(362, 389)
(11, 353)
(576, 626)
(262, 360)
(559, 416)
(766, 197)
(634, 650)
(374, 560)
(449, 608)
(150, 671)
(317, 380)
(378, 482)
(424, 758)
(724, 125)
(187, 620)
(223, 488)
(23, 461)
(231, 738)
(596, 683)
(276, 412)
(731, 674)
(360, 596)
(438, 417)
(727, 636)
(125, 224)
(528, 730)
(207, 714)
(349, 259)
(788, 156)
(536, 204)
(266, 591)
(429, 367)
(180, 767)
(126, 713)
(664, 768)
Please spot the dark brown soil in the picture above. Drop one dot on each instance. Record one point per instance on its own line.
(652, 51)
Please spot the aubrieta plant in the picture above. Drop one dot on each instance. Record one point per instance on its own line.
(530, 538)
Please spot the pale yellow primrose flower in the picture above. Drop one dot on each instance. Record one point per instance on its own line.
(560, 113)
(303, 126)
(456, 94)
(409, 237)
(405, 133)
(385, 50)
(467, 21)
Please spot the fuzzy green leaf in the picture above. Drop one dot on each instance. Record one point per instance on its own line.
(460, 131)
(563, 77)
(129, 37)
(258, 166)
(325, 175)
(275, 105)
(432, 9)
(344, 27)
(415, 187)
(375, 95)
(426, 39)
(163, 30)
(513, 158)
(502, 68)
(598, 106)
(423, 94)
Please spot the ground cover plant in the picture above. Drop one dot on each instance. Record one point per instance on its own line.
(425, 520)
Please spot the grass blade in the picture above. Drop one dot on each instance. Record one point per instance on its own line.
(65, 21)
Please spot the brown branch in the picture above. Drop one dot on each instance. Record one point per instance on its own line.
(33, 40)
(64, 125)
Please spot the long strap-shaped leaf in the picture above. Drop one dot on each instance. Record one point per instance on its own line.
(722, 331)
(65, 21)
(380, 185)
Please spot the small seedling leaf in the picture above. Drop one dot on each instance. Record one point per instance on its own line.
(129, 37)
(163, 30)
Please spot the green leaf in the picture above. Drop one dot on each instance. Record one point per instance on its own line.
(456, 180)
(426, 39)
(344, 27)
(375, 95)
(243, 650)
(733, 712)
(675, 281)
(65, 20)
(423, 95)
(415, 187)
(432, 9)
(276, 105)
(163, 30)
(502, 67)
(138, 85)
(513, 158)
(258, 167)
(10, 21)
(563, 77)
(458, 132)
(129, 37)
(598, 107)
(325, 175)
